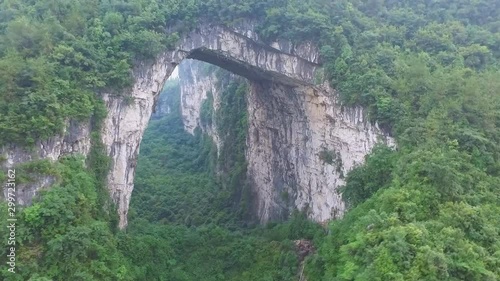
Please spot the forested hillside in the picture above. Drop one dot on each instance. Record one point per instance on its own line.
(427, 71)
(184, 225)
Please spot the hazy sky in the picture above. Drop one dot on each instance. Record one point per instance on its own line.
(175, 73)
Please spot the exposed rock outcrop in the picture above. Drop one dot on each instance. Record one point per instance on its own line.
(75, 139)
(301, 143)
(198, 83)
(300, 140)
(303, 248)
(222, 46)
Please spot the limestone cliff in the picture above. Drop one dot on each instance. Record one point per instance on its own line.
(199, 84)
(124, 127)
(75, 139)
(219, 45)
(300, 139)
(301, 142)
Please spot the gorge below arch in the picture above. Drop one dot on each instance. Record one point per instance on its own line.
(301, 140)
(292, 118)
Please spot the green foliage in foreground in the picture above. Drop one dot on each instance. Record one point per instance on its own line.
(183, 225)
(435, 206)
(428, 211)
(209, 252)
(61, 236)
(426, 70)
(56, 55)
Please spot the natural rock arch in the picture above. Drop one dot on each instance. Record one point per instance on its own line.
(235, 49)
(301, 141)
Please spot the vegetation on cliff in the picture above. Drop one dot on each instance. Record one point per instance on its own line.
(185, 221)
(426, 70)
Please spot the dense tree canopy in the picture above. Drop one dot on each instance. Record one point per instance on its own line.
(427, 71)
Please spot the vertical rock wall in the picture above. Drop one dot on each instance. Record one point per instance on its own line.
(75, 139)
(301, 142)
(198, 81)
(124, 127)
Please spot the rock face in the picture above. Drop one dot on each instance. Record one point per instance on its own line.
(303, 248)
(75, 139)
(202, 83)
(301, 143)
(198, 83)
(124, 127)
(300, 140)
(222, 46)
(239, 54)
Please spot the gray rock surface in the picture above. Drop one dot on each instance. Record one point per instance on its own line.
(293, 123)
(301, 142)
(75, 139)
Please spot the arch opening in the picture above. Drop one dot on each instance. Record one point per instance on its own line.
(244, 69)
(291, 115)
(185, 141)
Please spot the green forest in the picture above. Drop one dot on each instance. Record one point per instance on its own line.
(426, 70)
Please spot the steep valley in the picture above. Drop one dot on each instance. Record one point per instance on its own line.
(257, 140)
